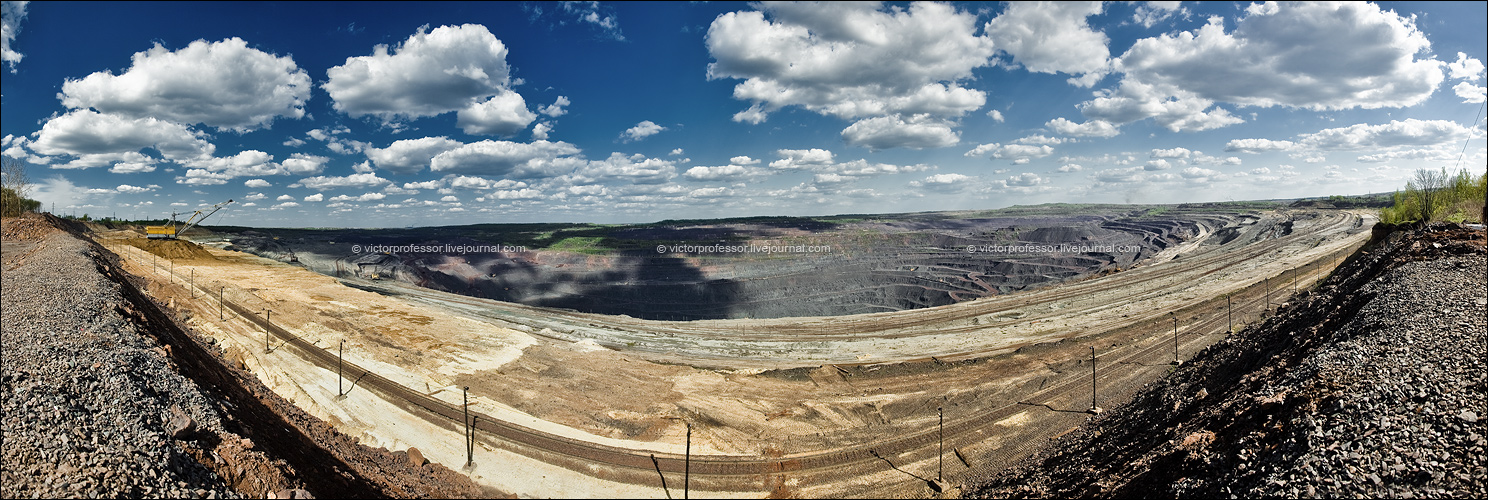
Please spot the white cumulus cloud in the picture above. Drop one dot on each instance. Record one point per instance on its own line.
(1052, 37)
(322, 183)
(724, 172)
(1408, 132)
(1257, 145)
(1470, 93)
(503, 114)
(12, 15)
(1179, 153)
(642, 130)
(855, 61)
(791, 159)
(125, 188)
(409, 156)
(1465, 68)
(225, 85)
(497, 158)
(451, 68)
(1091, 128)
(556, 109)
(1318, 56)
(895, 131)
(87, 132)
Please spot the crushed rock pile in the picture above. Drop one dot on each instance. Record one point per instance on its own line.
(1372, 385)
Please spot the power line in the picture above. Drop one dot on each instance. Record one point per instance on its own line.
(1476, 118)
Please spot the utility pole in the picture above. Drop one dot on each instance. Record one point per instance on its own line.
(267, 325)
(339, 353)
(1175, 339)
(469, 448)
(687, 465)
(1096, 410)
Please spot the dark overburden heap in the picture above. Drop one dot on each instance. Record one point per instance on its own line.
(1373, 385)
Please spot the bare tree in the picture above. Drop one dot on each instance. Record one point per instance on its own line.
(16, 187)
(1425, 188)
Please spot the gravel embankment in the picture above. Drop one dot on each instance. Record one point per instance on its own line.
(1372, 386)
(1408, 419)
(106, 393)
(88, 400)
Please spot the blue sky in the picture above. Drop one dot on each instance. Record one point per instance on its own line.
(408, 114)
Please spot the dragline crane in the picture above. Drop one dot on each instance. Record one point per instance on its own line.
(170, 232)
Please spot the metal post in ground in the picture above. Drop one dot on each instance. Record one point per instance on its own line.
(1268, 294)
(339, 353)
(940, 473)
(1175, 339)
(267, 324)
(469, 450)
(1294, 281)
(687, 465)
(193, 282)
(221, 313)
(1093, 408)
(1229, 309)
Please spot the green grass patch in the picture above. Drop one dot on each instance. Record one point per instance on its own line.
(581, 244)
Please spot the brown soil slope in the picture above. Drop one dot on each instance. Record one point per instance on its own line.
(1371, 385)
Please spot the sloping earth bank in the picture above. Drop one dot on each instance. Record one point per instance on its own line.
(105, 396)
(1373, 386)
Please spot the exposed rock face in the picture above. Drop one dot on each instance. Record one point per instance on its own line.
(1371, 386)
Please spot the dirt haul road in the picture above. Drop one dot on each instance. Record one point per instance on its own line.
(573, 404)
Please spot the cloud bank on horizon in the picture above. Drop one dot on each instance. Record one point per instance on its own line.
(588, 112)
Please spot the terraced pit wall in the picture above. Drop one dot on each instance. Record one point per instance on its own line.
(869, 267)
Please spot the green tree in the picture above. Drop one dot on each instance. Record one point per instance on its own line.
(1436, 195)
(1426, 189)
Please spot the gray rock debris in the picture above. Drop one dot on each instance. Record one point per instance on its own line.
(87, 398)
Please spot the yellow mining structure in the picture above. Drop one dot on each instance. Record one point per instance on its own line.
(170, 231)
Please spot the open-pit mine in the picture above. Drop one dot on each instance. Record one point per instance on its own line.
(875, 355)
